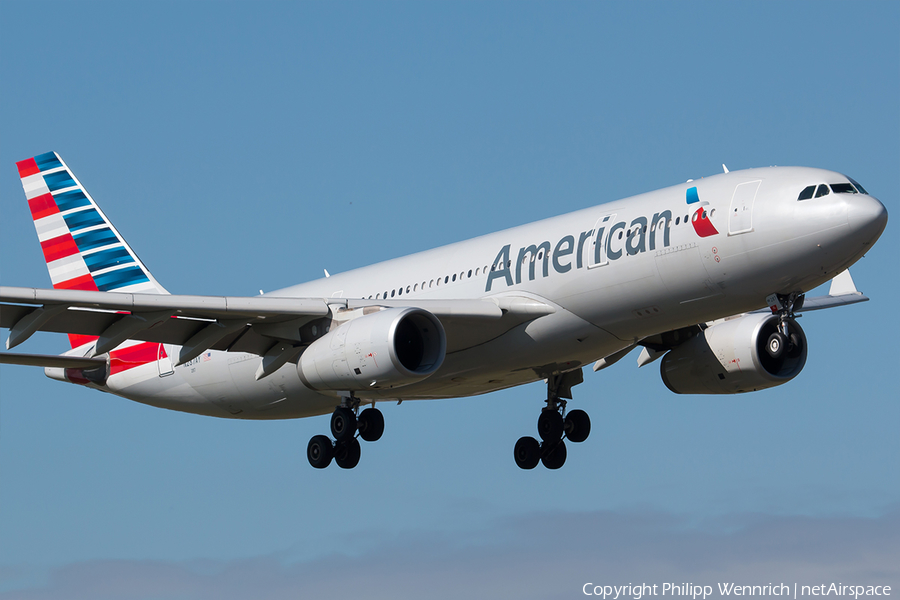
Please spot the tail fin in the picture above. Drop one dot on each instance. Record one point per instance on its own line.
(82, 248)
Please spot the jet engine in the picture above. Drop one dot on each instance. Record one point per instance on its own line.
(385, 349)
(743, 354)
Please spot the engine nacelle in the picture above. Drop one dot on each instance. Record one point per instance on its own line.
(389, 348)
(731, 357)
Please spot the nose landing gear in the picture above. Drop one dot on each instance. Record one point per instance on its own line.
(553, 424)
(346, 422)
(784, 340)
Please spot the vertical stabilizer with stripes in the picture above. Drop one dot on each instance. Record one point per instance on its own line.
(82, 248)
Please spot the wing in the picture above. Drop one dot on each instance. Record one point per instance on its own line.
(237, 324)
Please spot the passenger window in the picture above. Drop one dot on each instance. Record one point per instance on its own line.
(407, 289)
(393, 292)
(678, 220)
(400, 292)
(807, 193)
(470, 272)
(822, 190)
(446, 279)
(454, 277)
(842, 188)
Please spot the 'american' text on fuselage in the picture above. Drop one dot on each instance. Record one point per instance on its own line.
(636, 241)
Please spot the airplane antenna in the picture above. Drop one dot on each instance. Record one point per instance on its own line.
(724, 168)
(326, 273)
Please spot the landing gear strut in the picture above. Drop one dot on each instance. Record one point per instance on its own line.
(783, 341)
(552, 424)
(346, 421)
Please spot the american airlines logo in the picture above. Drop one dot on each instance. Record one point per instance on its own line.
(609, 241)
(702, 225)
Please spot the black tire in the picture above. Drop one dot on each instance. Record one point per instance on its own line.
(550, 425)
(776, 344)
(319, 451)
(553, 454)
(371, 424)
(527, 453)
(346, 454)
(578, 426)
(343, 424)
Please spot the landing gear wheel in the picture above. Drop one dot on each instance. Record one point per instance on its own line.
(578, 426)
(343, 424)
(775, 344)
(527, 453)
(346, 454)
(550, 425)
(371, 424)
(319, 451)
(553, 454)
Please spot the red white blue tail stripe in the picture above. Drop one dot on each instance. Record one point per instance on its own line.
(82, 249)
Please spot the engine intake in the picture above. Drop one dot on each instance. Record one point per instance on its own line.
(732, 357)
(390, 348)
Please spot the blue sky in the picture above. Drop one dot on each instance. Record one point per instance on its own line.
(243, 146)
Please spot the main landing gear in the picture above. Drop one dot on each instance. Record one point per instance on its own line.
(346, 423)
(553, 423)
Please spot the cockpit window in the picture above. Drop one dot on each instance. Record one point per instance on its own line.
(822, 190)
(807, 193)
(843, 188)
(859, 187)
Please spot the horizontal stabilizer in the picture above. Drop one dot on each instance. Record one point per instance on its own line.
(50, 360)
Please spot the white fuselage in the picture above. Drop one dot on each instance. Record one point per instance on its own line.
(614, 273)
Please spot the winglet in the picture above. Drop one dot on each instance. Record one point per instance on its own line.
(842, 284)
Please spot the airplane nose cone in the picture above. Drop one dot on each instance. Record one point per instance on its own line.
(868, 216)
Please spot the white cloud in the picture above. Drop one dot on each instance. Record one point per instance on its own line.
(536, 556)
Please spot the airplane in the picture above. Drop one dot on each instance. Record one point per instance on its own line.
(707, 277)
